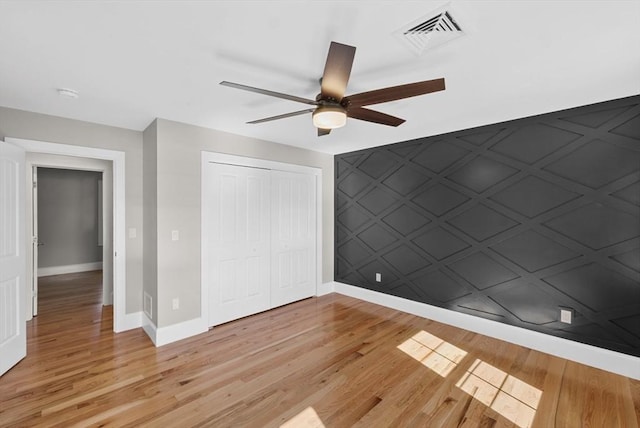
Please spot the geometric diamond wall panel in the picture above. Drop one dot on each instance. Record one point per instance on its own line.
(630, 128)
(377, 200)
(481, 173)
(533, 251)
(591, 164)
(405, 260)
(596, 226)
(479, 138)
(376, 237)
(353, 253)
(630, 323)
(507, 222)
(481, 222)
(528, 303)
(439, 155)
(370, 270)
(585, 283)
(533, 196)
(531, 143)
(630, 259)
(352, 184)
(440, 199)
(440, 244)
(440, 286)
(482, 271)
(352, 218)
(405, 220)
(406, 180)
(631, 193)
(596, 118)
(377, 164)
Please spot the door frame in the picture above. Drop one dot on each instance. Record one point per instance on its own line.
(205, 251)
(120, 322)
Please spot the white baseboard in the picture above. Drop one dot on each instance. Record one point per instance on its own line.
(61, 270)
(173, 333)
(325, 288)
(131, 321)
(149, 327)
(593, 356)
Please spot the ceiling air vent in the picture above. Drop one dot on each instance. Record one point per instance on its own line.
(431, 30)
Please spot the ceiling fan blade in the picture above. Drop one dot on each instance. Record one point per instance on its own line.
(322, 131)
(270, 93)
(396, 92)
(281, 116)
(374, 116)
(337, 70)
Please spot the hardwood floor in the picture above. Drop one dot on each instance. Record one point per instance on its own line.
(331, 361)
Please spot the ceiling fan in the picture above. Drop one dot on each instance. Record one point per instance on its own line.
(332, 107)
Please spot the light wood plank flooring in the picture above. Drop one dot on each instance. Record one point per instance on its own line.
(331, 361)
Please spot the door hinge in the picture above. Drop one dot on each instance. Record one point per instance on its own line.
(35, 184)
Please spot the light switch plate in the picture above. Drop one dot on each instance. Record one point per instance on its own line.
(378, 277)
(175, 235)
(132, 232)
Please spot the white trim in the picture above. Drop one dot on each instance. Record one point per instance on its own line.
(132, 320)
(326, 288)
(172, 333)
(615, 362)
(212, 157)
(119, 237)
(149, 327)
(60, 270)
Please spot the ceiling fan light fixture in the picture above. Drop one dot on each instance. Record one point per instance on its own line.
(329, 117)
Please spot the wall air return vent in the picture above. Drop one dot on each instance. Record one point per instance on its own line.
(437, 27)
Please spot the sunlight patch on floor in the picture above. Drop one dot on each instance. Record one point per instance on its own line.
(308, 418)
(512, 398)
(433, 352)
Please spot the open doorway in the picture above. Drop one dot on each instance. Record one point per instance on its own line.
(71, 218)
(68, 214)
(117, 256)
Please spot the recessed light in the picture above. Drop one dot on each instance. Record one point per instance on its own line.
(67, 93)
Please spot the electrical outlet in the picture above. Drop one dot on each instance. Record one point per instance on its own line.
(566, 315)
(176, 304)
(378, 277)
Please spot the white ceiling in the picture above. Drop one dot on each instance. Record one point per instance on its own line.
(134, 61)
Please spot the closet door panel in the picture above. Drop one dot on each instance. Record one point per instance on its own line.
(293, 237)
(239, 242)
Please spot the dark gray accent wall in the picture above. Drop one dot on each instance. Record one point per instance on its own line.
(507, 222)
(68, 217)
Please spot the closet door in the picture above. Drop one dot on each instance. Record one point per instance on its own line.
(293, 237)
(239, 234)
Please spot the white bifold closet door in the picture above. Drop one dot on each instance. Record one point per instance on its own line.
(293, 237)
(262, 240)
(240, 243)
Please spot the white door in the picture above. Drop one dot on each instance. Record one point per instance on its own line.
(35, 243)
(13, 338)
(238, 230)
(293, 237)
